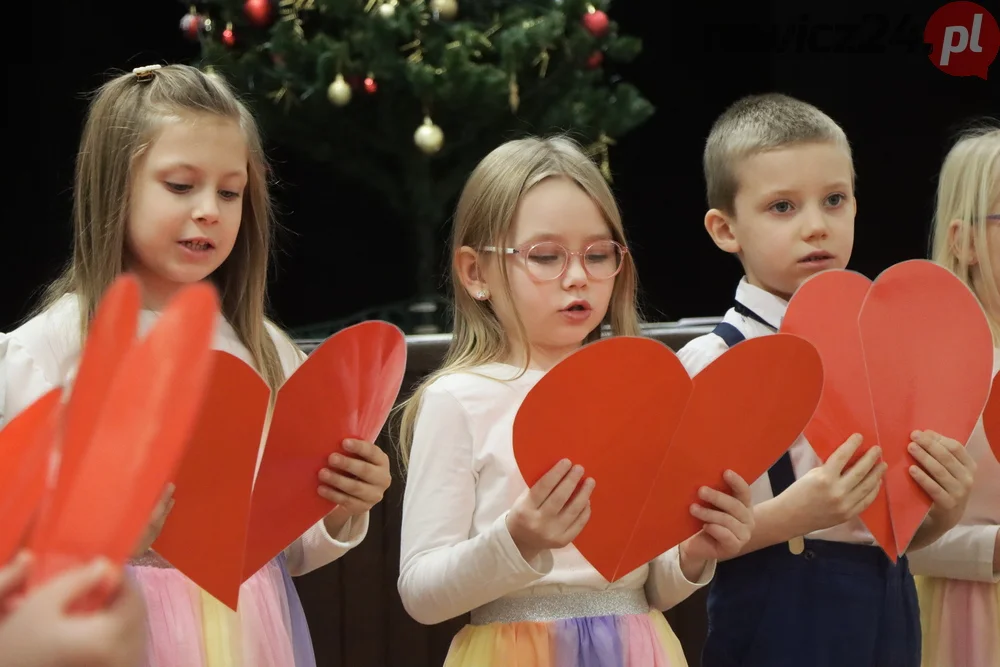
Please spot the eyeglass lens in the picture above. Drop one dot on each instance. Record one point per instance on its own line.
(547, 261)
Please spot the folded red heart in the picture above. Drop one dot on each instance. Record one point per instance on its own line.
(651, 436)
(27, 444)
(345, 389)
(911, 351)
(105, 500)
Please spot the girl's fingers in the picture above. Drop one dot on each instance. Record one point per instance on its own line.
(544, 487)
(563, 491)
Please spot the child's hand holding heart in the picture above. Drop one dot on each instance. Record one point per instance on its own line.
(356, 481)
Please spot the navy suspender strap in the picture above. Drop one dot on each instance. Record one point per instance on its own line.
(746, 312)
(781, 474)
(728, 333)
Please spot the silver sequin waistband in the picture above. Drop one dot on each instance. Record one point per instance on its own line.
(151, 559)
(544, 608)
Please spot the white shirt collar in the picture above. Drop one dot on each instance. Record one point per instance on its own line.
(770, 307)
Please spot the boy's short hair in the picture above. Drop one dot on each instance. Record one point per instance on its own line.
(756, 124)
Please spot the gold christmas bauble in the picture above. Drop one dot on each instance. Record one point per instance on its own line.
(446, 9)
(387, 10)
(339, 91)
(429, 138)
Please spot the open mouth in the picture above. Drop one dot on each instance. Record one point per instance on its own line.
(816, 257)
(198, 245)
(577, 307)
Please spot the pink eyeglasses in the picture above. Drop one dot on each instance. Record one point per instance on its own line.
(549, 260)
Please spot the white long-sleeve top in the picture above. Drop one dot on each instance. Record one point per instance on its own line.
(966, 551)
(456, 552)
(44, 352)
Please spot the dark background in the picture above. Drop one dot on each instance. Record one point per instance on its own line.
(338, 256)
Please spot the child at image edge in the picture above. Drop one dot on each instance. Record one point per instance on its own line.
(811, 588)
(540, 261)
(958, 577)
(41, 629)
(171, 186)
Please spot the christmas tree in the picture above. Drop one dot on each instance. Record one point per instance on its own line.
(404, 97)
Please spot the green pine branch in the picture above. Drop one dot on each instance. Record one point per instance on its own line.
(459, 72)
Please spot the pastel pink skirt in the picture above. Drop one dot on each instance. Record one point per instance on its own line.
(187, 627)
(960, 622)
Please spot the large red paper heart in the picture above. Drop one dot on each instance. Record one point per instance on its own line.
(991, 417)
(137, 441)
(47, 429)
(926, 356)
(111, 334)
(651, 437)
(345, 389)
(26, 448)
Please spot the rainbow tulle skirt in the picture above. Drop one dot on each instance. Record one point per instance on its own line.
(601, 629)
(189, 628)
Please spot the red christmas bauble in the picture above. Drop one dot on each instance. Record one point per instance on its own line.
(596, 23)
(595, 59)
(228, 37)
(191, 25)
(370, 85)
(258, 11)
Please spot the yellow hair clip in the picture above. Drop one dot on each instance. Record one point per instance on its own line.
(145, 73)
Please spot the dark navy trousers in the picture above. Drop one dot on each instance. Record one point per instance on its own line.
(833, 605)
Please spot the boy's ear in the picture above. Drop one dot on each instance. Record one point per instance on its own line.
(961, 243)
(467, 264)
(720, 227)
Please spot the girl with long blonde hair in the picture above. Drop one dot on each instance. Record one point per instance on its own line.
(958, 576)
(171, 186)
(540, 263)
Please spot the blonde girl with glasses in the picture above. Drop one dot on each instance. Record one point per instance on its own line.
(958, 577)
(540, 262)
(171, 186)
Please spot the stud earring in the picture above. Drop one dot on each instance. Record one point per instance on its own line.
(482, 294)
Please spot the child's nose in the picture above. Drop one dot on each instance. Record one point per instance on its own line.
(576, 273)
(206, 210)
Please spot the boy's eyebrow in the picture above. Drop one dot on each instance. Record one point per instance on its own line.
(784, 192)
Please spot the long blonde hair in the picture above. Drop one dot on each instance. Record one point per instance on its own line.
(122, 122)
(969, 185)
(484, 217)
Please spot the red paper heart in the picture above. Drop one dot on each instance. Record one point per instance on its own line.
(26, 448)
(111, 334)
(138, 440)
(345, 389)
(991, 417)
(47, 428)
(927, 356)
(215, 481)
(651, 437)
(825, 312)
